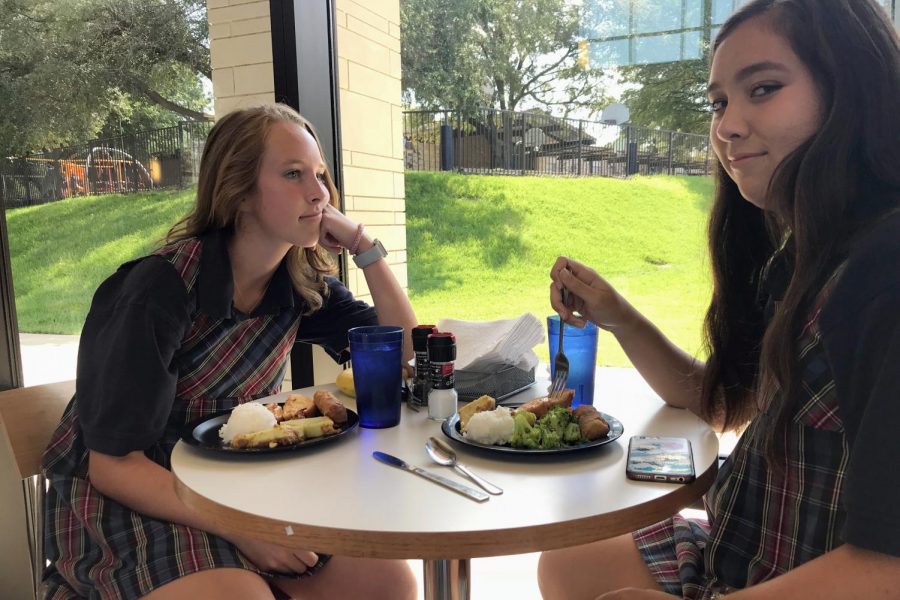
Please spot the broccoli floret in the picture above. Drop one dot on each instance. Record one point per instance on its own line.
(556, 421)
(524, 434)
(572, 434)
(530, 417)
(550, 440)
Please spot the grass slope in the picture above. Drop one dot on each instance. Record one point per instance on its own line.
(63, 250)
(481, 247)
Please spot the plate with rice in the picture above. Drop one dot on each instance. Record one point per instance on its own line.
(216, 432)
(492, 430)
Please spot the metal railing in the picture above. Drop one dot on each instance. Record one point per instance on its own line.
(160, 158)
(490, 141)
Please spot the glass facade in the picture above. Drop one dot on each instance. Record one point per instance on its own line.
(635, 32)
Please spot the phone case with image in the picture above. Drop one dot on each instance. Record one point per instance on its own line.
(666, 459)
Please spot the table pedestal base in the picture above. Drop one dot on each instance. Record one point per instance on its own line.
(446, 579)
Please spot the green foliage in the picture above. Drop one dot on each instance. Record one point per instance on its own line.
(668, 95)
(470, 53)
(70, 71)
(62, 251)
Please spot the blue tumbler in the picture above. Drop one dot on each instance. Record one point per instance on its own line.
(376, 353)
(580, 347)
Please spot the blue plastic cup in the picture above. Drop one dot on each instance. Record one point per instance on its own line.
(580, 347)
(376, 354)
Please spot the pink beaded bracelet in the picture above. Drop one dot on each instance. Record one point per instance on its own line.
(354, 248)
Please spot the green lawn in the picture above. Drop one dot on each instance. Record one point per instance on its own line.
(479, 248)
(63, 250)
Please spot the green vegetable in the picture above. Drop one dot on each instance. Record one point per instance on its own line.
(572, 434)
(550, 440)
(525, 435)
(555, 429)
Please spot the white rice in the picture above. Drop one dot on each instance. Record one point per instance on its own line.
(247, 418)
(491, 427)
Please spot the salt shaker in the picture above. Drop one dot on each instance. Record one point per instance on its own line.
(422, 379)
(442, 397)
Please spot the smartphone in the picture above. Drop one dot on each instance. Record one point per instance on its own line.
(666, 459)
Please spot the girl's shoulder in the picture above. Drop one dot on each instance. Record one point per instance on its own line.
(184, 255)
(872, 265)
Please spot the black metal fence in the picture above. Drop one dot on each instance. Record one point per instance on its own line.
(161, 158)
(490, 141)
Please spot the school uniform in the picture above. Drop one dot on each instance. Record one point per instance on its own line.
(162, 346)
(838, 485)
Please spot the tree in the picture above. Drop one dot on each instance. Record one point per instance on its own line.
(668, 95)
(73, 70)
(501, 53)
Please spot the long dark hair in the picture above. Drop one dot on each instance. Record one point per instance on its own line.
(822, 194)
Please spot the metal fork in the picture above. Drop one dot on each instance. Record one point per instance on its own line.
(560, 362)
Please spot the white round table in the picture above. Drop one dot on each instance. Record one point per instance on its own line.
(336, 498)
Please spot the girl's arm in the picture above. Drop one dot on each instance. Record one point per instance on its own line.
(672, 373)
(391, 303)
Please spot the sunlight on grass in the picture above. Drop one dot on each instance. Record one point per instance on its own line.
(479, 248)
(62, 251)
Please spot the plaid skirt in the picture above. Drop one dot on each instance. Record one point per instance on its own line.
(99, 548)
(673, 551)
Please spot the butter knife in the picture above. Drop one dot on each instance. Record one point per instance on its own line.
(472, 494)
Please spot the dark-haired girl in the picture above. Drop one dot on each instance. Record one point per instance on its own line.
(803, 328)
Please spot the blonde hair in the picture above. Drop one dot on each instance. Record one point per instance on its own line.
(229, 169)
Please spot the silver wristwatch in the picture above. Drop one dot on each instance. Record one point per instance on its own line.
(373, 254)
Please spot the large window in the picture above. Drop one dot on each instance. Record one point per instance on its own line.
(635, 32)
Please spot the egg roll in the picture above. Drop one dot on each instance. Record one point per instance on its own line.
(330, 406)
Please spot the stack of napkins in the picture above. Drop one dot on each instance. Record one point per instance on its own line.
(487, 346)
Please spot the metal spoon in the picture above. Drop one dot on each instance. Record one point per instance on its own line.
(443, 454)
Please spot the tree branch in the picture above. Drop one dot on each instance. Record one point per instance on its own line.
(176, 108)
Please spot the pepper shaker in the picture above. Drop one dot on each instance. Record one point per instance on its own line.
(422, 378)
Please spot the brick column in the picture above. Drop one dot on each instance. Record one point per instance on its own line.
(240, 47)
(368, 43)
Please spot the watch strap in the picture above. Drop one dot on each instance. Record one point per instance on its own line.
(373, 254)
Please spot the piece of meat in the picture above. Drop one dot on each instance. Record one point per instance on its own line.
(276, 411)
(592, 425)
(298, 406)
(330, 406)
(541, 406)
(564, 398)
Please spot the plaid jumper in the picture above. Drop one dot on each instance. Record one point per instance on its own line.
(99, 548)
(837, 485)
(762, 523)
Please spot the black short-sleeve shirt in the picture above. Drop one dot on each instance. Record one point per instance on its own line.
(163, 345)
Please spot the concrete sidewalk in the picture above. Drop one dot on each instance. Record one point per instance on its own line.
(47, 358)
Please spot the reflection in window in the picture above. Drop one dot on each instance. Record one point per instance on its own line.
(624, 32)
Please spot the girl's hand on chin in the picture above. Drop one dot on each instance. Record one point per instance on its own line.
(336, 231)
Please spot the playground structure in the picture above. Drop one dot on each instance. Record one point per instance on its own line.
(162, 158)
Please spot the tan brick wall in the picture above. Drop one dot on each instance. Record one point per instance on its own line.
(240, 44)
(368, 42)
